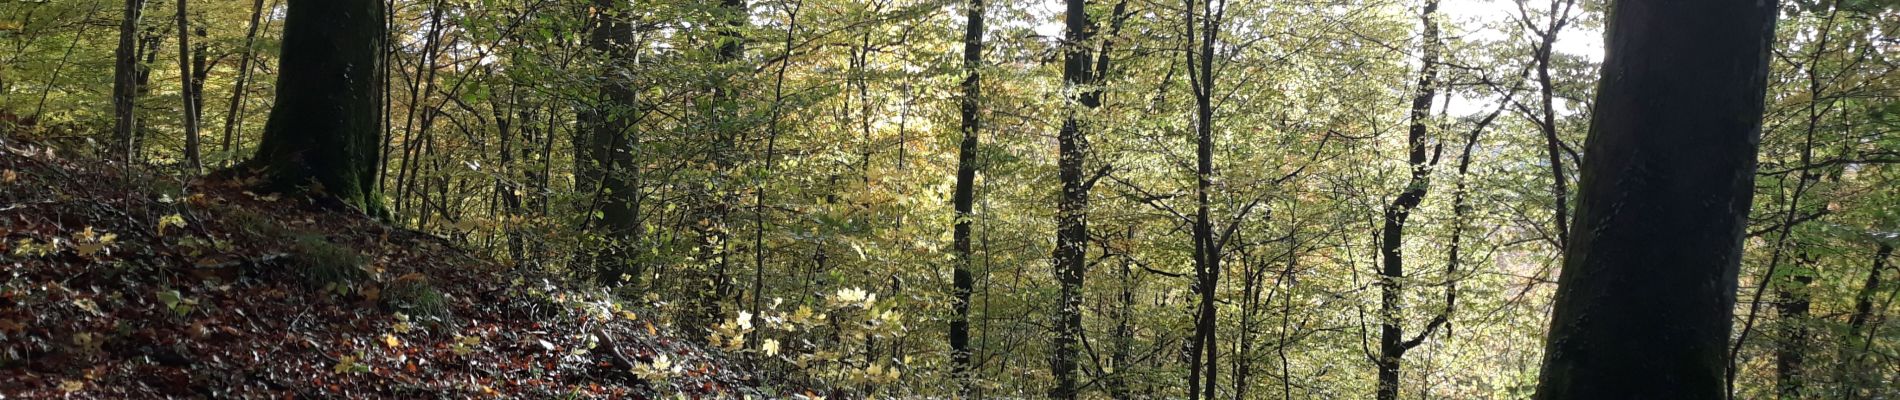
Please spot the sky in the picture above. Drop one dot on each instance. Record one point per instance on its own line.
(1476, 18)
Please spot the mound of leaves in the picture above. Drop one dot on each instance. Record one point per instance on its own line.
(120, 285)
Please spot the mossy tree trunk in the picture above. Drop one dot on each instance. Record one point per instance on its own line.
(323, 130)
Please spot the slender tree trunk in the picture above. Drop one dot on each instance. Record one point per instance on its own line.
(232, 112)
(1644, 303)
(187, 91)
(1124, 336)
(759, 254)
(323, 126)
(125, 83)
(714, 242)
(1850, 375)
(53, 81)
(1392, 343)
(1792, 305)
(1553, 145)
(149, 42)
(963, 282)
(1203, 349)
(1787, 361)
(1072, 208)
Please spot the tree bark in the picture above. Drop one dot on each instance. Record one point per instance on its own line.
(125, 83)
(963, 281)
(1072, 208)
(1203, 358)
(609, 168)
(1392, 343)
(1850, 373)
(323, 130)
(1791, 306)
(187, 90)
(231, 114)
(1644, 303)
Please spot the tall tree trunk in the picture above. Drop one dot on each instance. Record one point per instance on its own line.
(963, 281)
(1547, 120)
(609, 168)
(187, 91)
(1392, 343)
(1644, 303)
(714, 242)
(1124, 336)
(1204, 352)
(232, 112)
(759, 254)
(125, 83)
(53, 80)
(1072, 208)
(1850, 376)
(1787, 361)
(1792, 305)
(324, 125)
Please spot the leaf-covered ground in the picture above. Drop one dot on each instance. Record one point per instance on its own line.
(117, 285)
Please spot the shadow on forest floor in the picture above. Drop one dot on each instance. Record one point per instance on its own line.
(117, 285)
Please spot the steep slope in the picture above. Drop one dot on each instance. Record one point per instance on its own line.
(117, 285)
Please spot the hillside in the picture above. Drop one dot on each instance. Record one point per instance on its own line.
(118, 285)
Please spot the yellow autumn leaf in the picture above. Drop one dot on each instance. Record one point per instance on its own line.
(174, 221)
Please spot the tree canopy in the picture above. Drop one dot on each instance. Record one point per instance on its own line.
(1075, 199)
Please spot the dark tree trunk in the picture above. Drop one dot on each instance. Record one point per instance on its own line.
(1203, 350)
(325, 124)
(1121, 353)
(1072, 209)
(149, 41)
(125, 83)
(1392, 343)
(608, 166)
(759, 196)
(188, 91)
(1644, 303)
(1851, 375)
(714, 236)
(963, 282)
(1792, 305)
(1547, 120)
(231, 113)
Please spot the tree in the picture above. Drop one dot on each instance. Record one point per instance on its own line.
(189, 90)
(125, 83)
(1203, 360)
(1392, 342)
(1072, 230)
(324, 128)
(1545, 117)
(607, 170)
(963, 282)
(231, 119)
(1648, 288)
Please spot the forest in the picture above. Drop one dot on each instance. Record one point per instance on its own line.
(1127, 199)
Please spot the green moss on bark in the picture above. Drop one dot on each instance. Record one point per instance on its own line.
(325, 127)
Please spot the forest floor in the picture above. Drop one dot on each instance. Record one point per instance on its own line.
(120, 285)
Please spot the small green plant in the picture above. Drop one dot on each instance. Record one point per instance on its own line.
(254, 224)
(326, 265)
(177, 303)
(413, 295)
